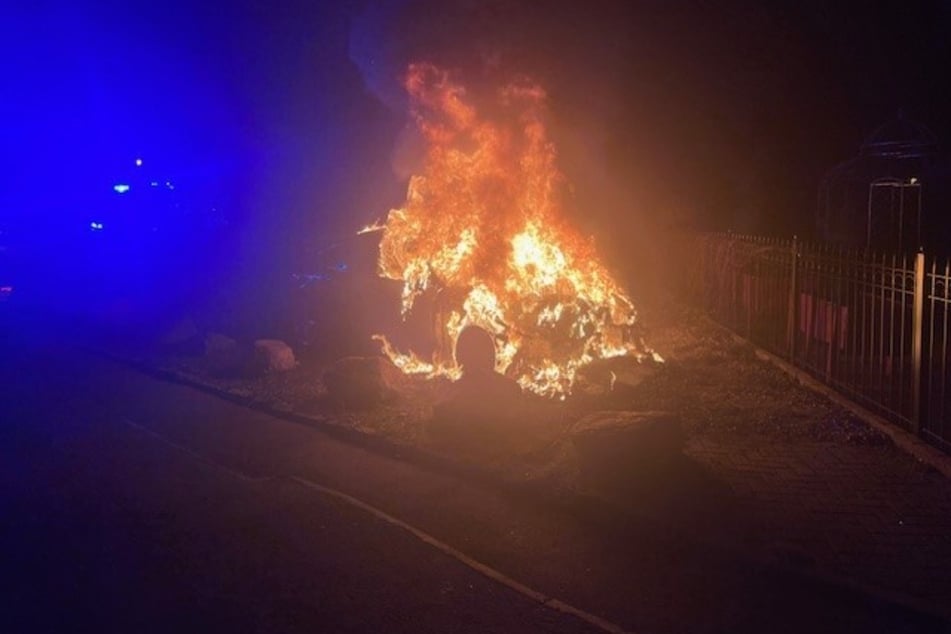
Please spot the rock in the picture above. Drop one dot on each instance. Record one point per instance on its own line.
(362, 382)
(479, 400)
(217, 343)
(475, 350)
(482, 398)
(224, 356)
(183, 330)
(273, 355)
(184, 338)
(618, 444)
(487, 417)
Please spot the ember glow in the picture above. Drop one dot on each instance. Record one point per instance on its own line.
(482, 234)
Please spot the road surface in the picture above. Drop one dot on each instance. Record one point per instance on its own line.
(134, 505)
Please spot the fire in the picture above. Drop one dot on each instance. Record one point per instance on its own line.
(371, 228)
(482, 233)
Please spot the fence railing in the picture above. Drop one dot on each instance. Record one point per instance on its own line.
(876, 327)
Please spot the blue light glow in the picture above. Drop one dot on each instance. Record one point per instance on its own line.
(95, 226)
(120, 188)
(154, 183)
(138, 162)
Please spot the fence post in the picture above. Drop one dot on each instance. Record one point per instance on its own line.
(916, 338)
(792, 311)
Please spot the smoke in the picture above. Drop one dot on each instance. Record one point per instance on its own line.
(560, 44)
(373, 48)
(597, 62)
(389, 35)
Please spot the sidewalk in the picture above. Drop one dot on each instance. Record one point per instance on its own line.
(819, 490)
(871, 515)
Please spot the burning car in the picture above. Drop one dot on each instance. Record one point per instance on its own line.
(482, 241)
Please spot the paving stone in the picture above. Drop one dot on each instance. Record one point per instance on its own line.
(868, 513)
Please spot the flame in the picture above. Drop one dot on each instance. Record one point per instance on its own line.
(482, 232)
(372, 227)
(412, 364)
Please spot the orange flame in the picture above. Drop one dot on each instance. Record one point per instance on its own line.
(371, 228)
(481, 230)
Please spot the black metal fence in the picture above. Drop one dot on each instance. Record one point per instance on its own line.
(873, 326)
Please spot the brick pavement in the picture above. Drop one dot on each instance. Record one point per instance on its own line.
(871, 514)
(844, 505)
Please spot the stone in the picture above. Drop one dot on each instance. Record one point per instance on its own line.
(617, 444)
(475, 351)
(479, 400)
(363, 382)
(273, 355)
(183, 331)
(182, 338)
(217, 343)
(224, 356)
(482, 395)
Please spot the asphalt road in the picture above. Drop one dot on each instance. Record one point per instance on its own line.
(128, 504)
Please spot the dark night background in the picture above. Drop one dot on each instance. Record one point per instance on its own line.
(285, 117)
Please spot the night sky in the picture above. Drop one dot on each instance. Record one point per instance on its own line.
(714, 115)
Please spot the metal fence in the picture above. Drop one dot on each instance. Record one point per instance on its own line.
(873, 326)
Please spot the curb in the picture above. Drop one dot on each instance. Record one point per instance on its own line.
(574, 504)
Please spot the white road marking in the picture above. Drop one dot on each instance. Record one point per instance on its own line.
(423, 536)
(463, 558)
(195, 455)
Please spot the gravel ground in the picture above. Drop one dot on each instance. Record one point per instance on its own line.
(719, 387)
(716, 387)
